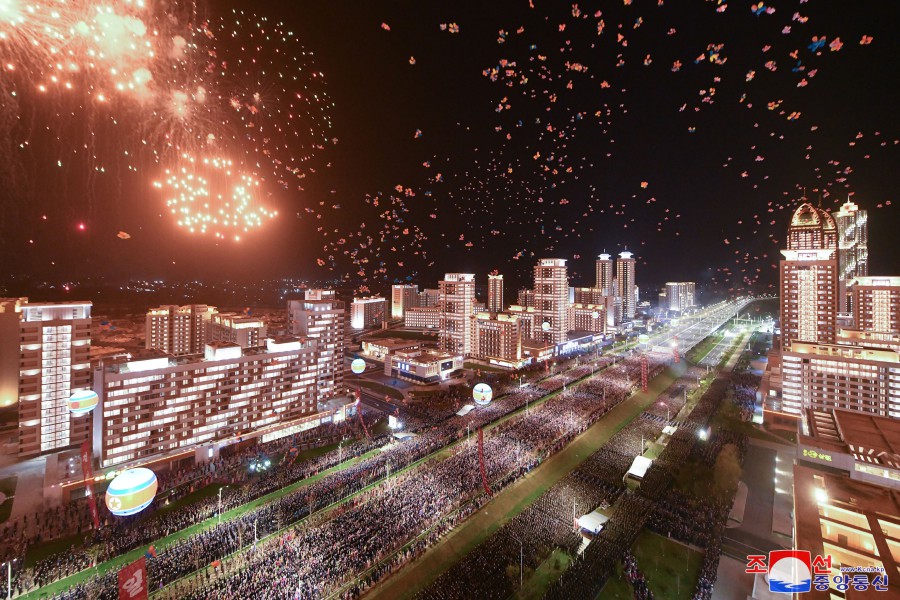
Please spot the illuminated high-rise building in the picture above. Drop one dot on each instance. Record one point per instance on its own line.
(457, 306)
(876, 306)
(403, 297)
(551, 301)
(625, 284)
(604, 269)
(853, 249)
(53, 363)
(367, 312)
(178, 330)
(680, 295)
(322, 316)
(167, 408)
(809, 278)
(495, 293)
(244, 330)
(497, 338)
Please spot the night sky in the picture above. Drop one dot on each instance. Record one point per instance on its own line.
(520, 132)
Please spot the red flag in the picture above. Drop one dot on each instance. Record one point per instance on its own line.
(133, 581)
(88, 471)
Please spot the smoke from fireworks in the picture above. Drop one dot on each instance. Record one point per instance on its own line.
(161, 88)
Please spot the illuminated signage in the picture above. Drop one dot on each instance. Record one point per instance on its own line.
(818, 455)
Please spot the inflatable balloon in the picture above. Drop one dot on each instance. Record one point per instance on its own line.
(82, 402)
(482, 394)
(131, 492)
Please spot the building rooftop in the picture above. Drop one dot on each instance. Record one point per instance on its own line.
(870, 438)
(856, 523)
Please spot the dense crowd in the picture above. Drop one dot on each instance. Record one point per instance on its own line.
(198, 550)
(636, 578)
(549, 522)
(369, 538)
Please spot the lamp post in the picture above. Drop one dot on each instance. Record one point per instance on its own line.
(521, 556)
(9, 578)
(219, 512)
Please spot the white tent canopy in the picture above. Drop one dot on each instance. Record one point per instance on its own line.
(639, 467)
(592, 522)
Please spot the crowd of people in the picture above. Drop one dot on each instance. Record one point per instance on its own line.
(172, 562)
(549, 522)
(372, 537)
(344, 532)
(655, 504)
(635, 577)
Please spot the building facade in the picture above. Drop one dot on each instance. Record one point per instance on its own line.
(809, 278)
(422, 366)
(403, 297)
(162, 406)
(367, 312)
(322, 316)
(429, 297)
(178, 330)
(587, 317)
(853, 249)
(625, 289)
(423, 317)
(876, 304)
(680, 295)
(604, 275)
(495, 293)
(457, 305)
(497, 338)
(54, 344)
(828, 377)
(551, 300)
(244, 330)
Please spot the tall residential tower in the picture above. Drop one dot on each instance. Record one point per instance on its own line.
(853, 249)
(625, 284)
(551, 301)
(456, 307)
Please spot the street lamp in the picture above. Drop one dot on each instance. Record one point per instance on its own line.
(9, 578)
(521, 556)
(219, 512)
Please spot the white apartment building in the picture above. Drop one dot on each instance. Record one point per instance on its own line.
(497, 338)
(244, 330)
(321, 316)
(551, 300)
(853, 249)
(166, 407)
(829, 376)
(178, 330)
(809, 278)
(680, 295)
(367, 312)
(625, 288)
(495, 293)
(49, 345)
(423, 317)
(403, 297)
(457, 305)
